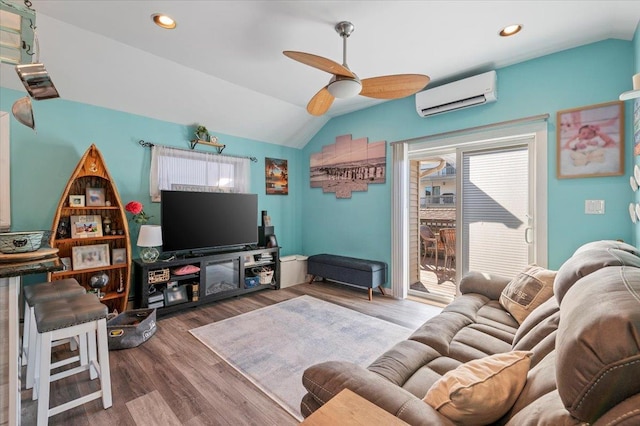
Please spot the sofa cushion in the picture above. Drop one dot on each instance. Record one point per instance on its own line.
(537, 332)
(480, 391)
(608, 244)
(598, 342)
(587, 261)
(527, 290)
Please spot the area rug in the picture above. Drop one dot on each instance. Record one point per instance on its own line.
(272, 346)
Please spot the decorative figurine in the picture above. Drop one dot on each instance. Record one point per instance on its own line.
(107, 225)
(97, 282)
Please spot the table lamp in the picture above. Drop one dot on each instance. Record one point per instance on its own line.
(149, 238)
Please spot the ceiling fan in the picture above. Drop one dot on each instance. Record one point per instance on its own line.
(346, 84)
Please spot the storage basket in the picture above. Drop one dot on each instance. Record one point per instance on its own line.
(22, 242)
(131, 328)
(264, 274)
(158, 276)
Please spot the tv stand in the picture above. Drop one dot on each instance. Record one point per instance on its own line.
(220, 275)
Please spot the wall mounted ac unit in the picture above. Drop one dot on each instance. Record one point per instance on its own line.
(477, 90)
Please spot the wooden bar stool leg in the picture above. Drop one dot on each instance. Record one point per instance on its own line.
(105, 371)
(41, 389)
(26, 334)
(31, 350)
(90, 340)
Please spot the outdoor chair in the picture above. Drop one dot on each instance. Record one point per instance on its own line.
(448, 237)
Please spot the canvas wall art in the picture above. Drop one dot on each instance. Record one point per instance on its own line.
(276, 176)
(348, 165)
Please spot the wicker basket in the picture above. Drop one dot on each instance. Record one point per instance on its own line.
(265, 275)
(22, 242)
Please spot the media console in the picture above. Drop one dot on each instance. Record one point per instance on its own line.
(218, 276)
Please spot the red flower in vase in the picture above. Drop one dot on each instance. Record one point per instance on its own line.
(137, 210)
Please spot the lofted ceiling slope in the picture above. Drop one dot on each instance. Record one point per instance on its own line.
(223, 65)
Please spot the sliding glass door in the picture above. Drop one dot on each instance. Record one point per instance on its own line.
(496, 209)
(500, 203)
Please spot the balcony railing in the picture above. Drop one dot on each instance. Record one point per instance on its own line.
(434, 200)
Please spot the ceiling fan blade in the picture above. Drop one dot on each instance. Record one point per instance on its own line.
(393, 86)
(320, 103)
(319, 62)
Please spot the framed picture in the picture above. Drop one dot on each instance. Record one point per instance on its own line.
(66, 264)
(76, 200)
(95, 197)
(94, 256)
(86, 226)
(590, 141)
(276, 174)
(118, 256)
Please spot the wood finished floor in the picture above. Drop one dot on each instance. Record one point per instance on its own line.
(173, 379)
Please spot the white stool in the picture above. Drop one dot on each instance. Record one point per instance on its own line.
(38, 293)
(65, 318)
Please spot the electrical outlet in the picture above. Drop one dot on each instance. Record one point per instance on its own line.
(594, 207)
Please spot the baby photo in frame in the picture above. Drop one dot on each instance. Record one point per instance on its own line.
(590, 141)
(94, 256)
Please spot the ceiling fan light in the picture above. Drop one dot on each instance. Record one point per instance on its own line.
(344, 88)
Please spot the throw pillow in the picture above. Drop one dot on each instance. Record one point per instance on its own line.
(481, 391)
(528, 290)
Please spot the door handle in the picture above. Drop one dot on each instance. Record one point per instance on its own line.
(527, 233)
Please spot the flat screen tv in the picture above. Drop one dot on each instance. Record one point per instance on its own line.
(200, 221)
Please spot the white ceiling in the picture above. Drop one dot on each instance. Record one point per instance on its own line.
(223, 65)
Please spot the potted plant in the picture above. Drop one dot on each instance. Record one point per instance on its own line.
(202, 133)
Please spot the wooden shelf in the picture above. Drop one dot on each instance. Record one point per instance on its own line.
(218, 146)
(74, 272)
(631, 94)
(69, 209)
(89, 239)
(111, 295)
(91, 172)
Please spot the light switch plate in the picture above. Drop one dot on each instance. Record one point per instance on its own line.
(594, 206)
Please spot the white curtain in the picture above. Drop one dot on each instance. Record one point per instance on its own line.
(179, 169)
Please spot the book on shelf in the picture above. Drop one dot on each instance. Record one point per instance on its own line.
(156, 305)
(195, 292)
(154, 297)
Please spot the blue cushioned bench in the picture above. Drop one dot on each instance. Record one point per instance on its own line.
(359, 272)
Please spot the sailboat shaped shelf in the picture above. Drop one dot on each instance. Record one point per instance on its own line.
(83, 234)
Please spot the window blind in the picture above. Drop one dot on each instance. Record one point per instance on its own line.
(495, 199)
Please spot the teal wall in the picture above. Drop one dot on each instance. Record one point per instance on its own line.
(42, 162)
(308, 221)
(592, 74)
(629, 105)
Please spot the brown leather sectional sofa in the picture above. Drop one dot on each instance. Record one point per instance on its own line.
(585, 344)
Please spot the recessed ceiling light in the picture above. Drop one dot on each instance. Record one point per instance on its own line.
(510, 30)
(163, 21)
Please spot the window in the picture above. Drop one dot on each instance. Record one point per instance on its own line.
(182, 170)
